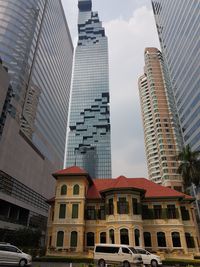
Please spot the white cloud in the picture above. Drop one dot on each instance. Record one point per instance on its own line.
(127, 41)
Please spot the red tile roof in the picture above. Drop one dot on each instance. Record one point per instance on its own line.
(151, 189)
(98, 186)
(74, 170)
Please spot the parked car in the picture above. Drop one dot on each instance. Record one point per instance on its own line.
(123, 254)
(13, 256)
(148, 258)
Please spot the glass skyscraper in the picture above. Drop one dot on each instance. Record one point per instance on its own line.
(36, 47)
(88, 143)
(179, 33)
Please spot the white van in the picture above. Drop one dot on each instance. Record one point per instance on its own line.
(148, 258)
(13, 256)
(111, 253)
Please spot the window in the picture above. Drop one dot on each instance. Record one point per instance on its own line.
(74, 239)
(176, 240)
(112, 236)
(11, 249)
(2, 248)
(60, 238)
(125, 250)
(104, 249)
(124, 237)
(161, 239)
(137, 237)
(147, 213)
(76, 189)
(157, 211)
(74, 211)
(142, 251)
(136, 207)
(50, 239)
(171, 212)
(62, 211)
(110, 206)
(103, 238)
(63, 190)
(122, 206)
(101, 213)
(189, 240)
(90, 213)
(90, 239)
(147, 239)
(185, 214)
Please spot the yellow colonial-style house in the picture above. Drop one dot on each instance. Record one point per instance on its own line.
(132, 211)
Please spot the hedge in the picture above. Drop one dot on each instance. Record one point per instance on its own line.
(63, 259)
(167, 262)
(181, 262)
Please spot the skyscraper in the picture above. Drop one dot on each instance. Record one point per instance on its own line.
(179, 33)
(88, 143)
(161, 131)
(36, 47)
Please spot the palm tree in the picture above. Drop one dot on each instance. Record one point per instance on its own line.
(189, 166)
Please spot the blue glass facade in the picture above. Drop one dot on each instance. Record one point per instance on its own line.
(88, 143)
(36, 46)
(179, 33)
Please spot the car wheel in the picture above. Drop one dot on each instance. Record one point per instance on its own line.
(126, 264)
(22, 263)
(154, 263)
(101, 263)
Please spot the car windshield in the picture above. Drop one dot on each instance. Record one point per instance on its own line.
(133, 250)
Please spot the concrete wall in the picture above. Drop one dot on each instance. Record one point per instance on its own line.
(19, 160)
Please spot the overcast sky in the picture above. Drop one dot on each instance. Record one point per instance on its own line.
(130, 28)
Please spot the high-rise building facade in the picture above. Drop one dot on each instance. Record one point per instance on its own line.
(179, 33)
(88, 143)
(161, 131)
(36, 47)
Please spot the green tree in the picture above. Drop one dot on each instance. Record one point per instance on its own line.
(189, 166)
(22, 238)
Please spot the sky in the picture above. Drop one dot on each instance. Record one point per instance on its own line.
(130, 27)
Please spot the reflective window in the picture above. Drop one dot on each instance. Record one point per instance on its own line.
(60, 239)
(63, 190)
(161, 239)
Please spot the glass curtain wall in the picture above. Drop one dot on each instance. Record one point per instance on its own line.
(89, 136)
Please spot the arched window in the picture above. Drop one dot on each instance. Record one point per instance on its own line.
(74, 239)
(63, 190)
(76, 189)
(90, 239)
(103, 237)
(60, 239)
(176, 240)
(161, 239)
(112, 236)
(137, 237)
(189, 240)
(147, 239)
(124, 236)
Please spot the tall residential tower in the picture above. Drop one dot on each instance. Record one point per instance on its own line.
(179, 34)
(36, 47)
(161, 131)
(88, 143)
